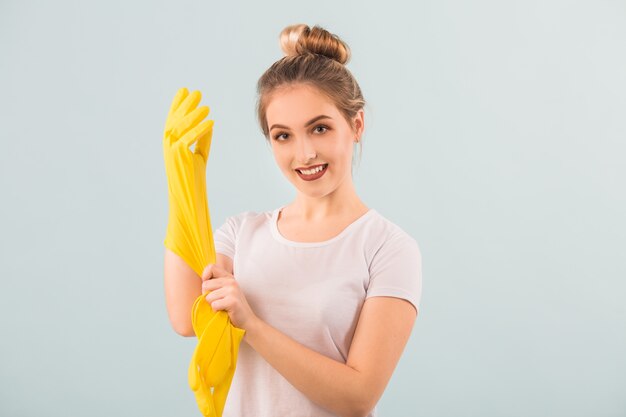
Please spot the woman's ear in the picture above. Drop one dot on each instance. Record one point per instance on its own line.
(359, 125)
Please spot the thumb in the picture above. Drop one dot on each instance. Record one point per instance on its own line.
(204, 141)
(213, 271)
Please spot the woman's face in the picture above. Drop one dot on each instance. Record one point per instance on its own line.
(308, 134)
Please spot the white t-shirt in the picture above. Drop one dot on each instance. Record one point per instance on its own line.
(313, 293)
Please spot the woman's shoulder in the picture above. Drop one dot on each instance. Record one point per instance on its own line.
(237, 224)
(383, 237)
(388, 229)
(249, 216)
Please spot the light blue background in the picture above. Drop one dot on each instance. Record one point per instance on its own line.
(495, 135)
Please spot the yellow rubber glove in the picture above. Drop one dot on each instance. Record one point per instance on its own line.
(190, 236)
(189, 232)
(215, 357)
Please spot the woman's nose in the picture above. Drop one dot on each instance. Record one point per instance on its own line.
(306, 151)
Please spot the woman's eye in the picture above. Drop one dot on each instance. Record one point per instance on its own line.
(324, 129)
(279, 136)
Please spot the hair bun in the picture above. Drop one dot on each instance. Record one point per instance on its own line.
(301, 39)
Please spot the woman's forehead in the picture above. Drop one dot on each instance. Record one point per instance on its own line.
(298, 104)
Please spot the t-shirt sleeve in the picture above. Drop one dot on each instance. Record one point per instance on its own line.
(225, 236)
(396, 270)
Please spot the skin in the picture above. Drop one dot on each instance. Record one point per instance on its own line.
(321, 209)
(327, 141)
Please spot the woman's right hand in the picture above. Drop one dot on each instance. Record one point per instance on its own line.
(225, 294)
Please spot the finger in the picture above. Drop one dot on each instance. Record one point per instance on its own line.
(182, 126)
(215, 295)
(212, 271)
(219, 305)
(217, 284)
(195, 134)
(188, 105)
(181, 94)
(207, 273)
(204, 140)
(209, 283)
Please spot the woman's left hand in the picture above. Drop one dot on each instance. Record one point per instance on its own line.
(226, 295)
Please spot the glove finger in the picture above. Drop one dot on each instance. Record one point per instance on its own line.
(192, 372)
(204, 139)
(190, 121)
(181, 94)
(195, 133)
(188, 105)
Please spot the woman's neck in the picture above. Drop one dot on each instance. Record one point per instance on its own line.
(312, 209)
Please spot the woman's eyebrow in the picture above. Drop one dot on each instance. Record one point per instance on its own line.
(310, 122)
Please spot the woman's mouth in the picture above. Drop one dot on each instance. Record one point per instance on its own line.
(313, 173)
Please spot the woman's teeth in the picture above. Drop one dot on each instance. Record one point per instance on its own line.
(312, 171)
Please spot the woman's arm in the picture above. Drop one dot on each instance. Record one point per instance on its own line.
(350, 389)
(182, 287)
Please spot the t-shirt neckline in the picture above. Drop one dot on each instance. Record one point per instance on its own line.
(346, 230)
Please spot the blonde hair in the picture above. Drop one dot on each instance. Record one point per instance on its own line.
(315, 57)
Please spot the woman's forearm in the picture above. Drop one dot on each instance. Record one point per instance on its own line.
(182, 287)
(330, 384)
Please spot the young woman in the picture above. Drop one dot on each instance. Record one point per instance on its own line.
(326, 288)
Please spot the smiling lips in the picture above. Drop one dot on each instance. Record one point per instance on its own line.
(312, 173)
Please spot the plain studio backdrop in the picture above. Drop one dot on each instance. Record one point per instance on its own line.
(495, 136)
